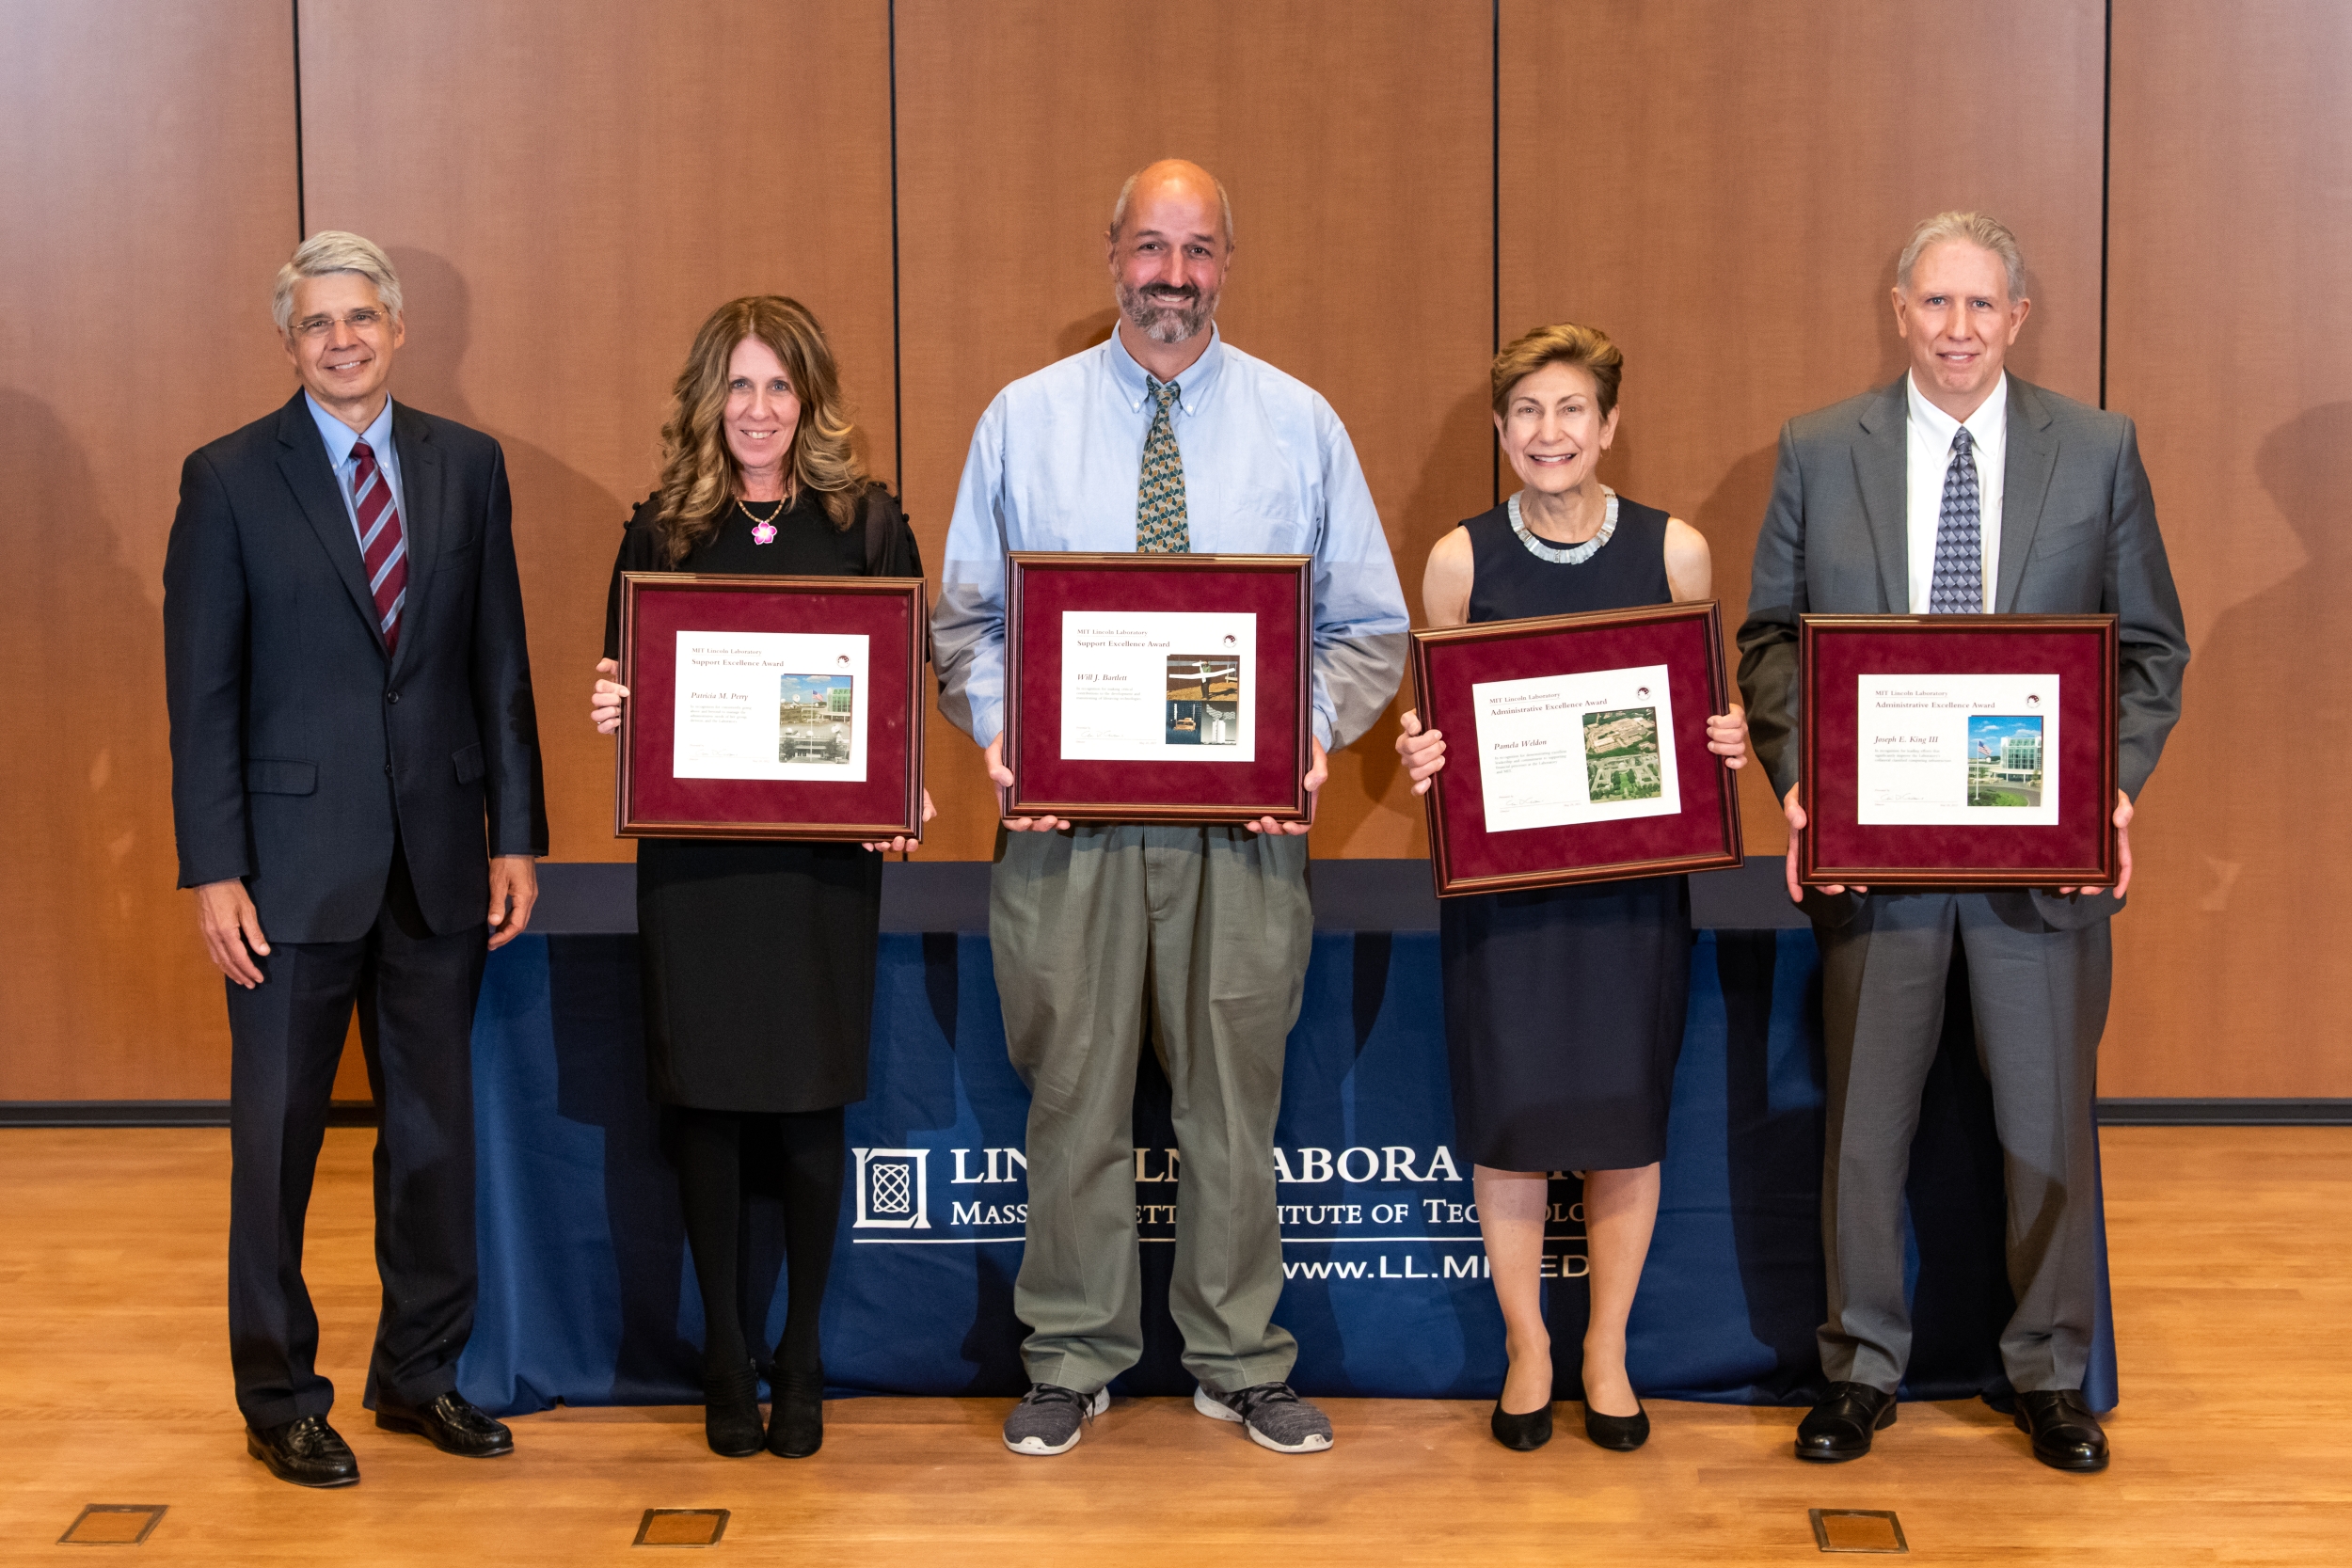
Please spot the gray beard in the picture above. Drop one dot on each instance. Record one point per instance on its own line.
(1166, 324)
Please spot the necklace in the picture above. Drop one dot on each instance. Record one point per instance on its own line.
(763, 529)
(1572, 555)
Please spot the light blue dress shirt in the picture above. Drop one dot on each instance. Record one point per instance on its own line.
(1268, 470)
(340, 439)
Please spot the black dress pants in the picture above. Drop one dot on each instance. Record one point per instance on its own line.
(415, 991)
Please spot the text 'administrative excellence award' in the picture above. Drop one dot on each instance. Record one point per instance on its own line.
(1157, 688)
(1575, 749)
(1958, 751)
(770, 707)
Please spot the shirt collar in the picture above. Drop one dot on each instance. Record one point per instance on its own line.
(1191, 386)
(340, 437)
(1989, 422)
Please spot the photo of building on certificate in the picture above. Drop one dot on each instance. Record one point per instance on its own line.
(2004, 760)
(1204, 699)
(814, 715)
(1621, 759)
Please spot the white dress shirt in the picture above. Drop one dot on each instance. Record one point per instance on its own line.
(1928, 458)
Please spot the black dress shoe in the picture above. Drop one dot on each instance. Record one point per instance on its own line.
(796, 1427)
(1840, 1426)
(1622, 1433)
(2066, 1435)
(731, 1423)
(306, 1451)
(1522, 1433)
(450, 1424)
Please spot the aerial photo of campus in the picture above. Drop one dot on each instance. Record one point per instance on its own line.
(1621, 760)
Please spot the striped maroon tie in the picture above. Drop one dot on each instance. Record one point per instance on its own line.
(383, 544)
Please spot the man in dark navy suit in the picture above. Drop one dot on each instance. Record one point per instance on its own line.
(356, 790)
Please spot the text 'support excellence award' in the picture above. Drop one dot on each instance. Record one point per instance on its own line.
(770, 707)
(1575, 749)
(1157, 688)
(1958, 751)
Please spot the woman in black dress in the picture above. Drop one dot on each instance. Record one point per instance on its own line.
(758, 958)
(1564, 1006)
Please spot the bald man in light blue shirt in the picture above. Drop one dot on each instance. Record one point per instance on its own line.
(1165, 438)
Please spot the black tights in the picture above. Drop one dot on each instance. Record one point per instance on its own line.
(727, 1159)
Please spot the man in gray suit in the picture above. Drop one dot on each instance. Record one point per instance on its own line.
(1961, 489)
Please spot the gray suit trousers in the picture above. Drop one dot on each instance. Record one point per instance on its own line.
(2039, 996)
(1202, 934)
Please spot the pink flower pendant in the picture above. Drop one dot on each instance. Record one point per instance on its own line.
(763, 533)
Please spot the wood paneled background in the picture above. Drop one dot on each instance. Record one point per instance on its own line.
(568, 187)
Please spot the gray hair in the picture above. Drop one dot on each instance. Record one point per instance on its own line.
(1127, 191)
(1987, 233)
(334, 251)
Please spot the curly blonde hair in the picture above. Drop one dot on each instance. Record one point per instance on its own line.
(698, 473)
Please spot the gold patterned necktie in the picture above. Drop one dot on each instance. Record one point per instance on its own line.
(1160, 497)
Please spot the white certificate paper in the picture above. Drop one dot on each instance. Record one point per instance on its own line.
(1957, 749)
(770, 704)
(1150, 686)
(1562, 749)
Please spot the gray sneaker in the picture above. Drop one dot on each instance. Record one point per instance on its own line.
(1273, 1416)
(1051, 1418)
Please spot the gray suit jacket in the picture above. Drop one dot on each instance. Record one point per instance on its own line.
(2078, 535)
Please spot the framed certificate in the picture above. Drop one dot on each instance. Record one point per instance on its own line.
(770, 707)
(1158, 687)
(1958, 751)
(1575, 749)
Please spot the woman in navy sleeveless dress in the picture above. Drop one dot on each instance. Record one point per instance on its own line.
(1563, 1005)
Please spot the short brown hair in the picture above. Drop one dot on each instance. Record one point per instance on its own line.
(1587, 348)
(698, 480)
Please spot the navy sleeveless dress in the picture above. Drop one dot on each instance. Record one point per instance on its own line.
(1563, 1005)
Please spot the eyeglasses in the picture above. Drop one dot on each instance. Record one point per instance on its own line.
(313, 328)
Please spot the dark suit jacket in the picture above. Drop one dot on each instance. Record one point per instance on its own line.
(298, 745)
(2078, 535)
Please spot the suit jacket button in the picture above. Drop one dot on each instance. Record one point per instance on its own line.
(391, 696)
(388, 769)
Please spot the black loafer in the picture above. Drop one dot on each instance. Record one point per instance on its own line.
(1839, 1426)
(796, 1426)
(450, 1424)
(1522, 1434)
(1617, 1433)
(2066, 1435)
(307, 1452)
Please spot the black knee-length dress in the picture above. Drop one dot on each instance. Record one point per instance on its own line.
(1563, 1005)
(758, 958)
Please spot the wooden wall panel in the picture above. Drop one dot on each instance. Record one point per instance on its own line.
(568, 188)
(1724, 190)
(146, 169)
(2227, 329)
(1355, 142)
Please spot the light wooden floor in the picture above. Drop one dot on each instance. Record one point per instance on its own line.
(2233, 1299)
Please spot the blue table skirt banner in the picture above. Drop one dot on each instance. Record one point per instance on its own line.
(588, 1296)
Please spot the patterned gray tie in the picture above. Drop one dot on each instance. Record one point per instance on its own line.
(1958, 586)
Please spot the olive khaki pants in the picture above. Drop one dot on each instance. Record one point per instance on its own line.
(1203, 933)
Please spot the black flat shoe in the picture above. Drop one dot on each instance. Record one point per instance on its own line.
(1621, 1434)
(796, 1427)
(450, 1424)
(1839, 1426)
(731, 1421)
(307, 1452)
(1522, 1434)
(2066, 1435)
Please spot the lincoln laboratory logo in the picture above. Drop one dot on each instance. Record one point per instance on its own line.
(1393, 1212)
(892, 1194)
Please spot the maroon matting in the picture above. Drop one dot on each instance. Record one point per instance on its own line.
(1041, 585)
(1834, 652)
(1703, 836)
(648, 801)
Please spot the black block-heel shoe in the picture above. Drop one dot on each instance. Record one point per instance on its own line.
(796, 1427)
(731, 1422)
(1523, 1434)
(1622, 1433)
